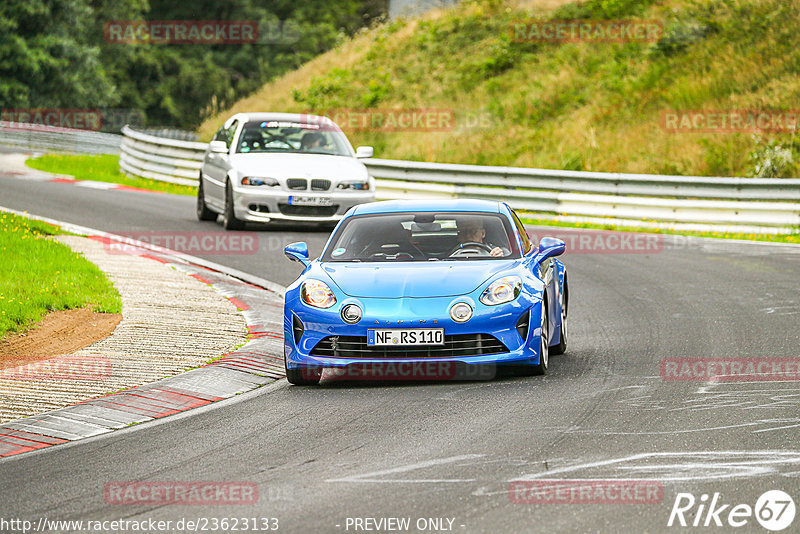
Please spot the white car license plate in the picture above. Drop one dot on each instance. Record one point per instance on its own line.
(405, 336)
(309, 201)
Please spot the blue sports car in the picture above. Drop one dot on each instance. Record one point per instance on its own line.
(424, 286)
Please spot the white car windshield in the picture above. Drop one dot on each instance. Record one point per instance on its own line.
(291, 136)
(423, 237)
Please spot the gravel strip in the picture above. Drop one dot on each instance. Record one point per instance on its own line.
(171, 322)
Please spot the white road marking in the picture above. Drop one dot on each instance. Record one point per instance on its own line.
(795, 422)
(776, 428)
(714, 397)
(698, 465)
(781, 310)
(95, 185)
(29, 177)
(370, 477)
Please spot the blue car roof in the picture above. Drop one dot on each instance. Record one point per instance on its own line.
(401, 206)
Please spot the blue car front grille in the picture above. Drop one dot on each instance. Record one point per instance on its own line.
(459, 345)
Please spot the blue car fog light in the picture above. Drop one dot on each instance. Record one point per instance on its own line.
(461, 312)
(351, 314)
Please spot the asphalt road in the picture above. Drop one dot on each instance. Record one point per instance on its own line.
(157, 217)
(326, 457)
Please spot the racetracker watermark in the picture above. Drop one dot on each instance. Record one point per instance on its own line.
(151, 525)
(403, 371)
(203, 32)
(391, 120)
(100, 119)
(730, 369)
(76, 119)
(59, 368)
(580, 241)
(587, 31)
(182, 493)
(590, 491)
(180, 31)
(113, 119)
(213, 243)
(729, 121)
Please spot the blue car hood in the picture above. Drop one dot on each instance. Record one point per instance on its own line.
(428, 279)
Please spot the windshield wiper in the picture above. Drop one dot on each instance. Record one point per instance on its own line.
(465, 258)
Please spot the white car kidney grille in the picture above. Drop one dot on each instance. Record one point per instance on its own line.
(297, 184)
(319, 184)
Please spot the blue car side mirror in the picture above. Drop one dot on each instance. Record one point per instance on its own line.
(297, 252)
(551, 246)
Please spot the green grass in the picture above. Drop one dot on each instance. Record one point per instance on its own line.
(576, 106)
(102, 168)
(39, 275)
(773, 238)
(579, 106)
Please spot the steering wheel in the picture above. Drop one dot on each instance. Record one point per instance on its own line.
(276, 139)
(394, 256)
(471, 246)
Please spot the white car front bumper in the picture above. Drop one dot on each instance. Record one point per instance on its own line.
(262, 205)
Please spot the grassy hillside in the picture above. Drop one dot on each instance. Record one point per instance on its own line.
(583, 106)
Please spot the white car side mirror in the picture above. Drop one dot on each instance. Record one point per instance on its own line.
(364, 152)
(218, 146)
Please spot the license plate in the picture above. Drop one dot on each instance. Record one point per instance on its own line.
(309, 201)
(405, 336)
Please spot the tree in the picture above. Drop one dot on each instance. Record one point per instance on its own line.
(48, 57)
(54, 54)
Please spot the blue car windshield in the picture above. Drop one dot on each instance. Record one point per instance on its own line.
(402, 237)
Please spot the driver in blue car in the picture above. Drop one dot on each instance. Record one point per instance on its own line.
(473, 231)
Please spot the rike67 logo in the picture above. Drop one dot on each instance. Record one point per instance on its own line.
(774, 510)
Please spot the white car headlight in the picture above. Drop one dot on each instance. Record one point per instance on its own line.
(359, 185)
(258, 180)
(317, 294)
(502, 290)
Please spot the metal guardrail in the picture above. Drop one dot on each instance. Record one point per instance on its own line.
(35, 137)
(160, 158)
(591, 182)
(707, 203)
(741, 204)
(168, 133)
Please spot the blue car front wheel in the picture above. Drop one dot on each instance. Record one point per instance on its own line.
(544, 349)
(539, 368)
(561, 346)
(303, 376)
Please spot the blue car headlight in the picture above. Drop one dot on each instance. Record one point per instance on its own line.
(316, 293)
(502, 290)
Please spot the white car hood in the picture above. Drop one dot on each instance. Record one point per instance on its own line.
(334, 168)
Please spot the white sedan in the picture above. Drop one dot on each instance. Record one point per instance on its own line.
(263, 167)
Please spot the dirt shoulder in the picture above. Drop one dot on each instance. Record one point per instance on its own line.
(171, 322)
(59, 332)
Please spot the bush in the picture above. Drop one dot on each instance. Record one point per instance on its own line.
(772, 160)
